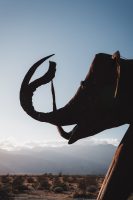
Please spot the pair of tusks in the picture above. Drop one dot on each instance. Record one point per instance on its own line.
(27, 89)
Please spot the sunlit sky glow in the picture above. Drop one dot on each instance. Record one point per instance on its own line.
(75, 30)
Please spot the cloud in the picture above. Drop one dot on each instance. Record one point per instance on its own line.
(11, 144)
(96, 141)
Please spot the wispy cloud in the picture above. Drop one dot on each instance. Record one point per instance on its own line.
(11, 144)
(96, 141)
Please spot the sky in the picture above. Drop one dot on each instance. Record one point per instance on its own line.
(74, 30)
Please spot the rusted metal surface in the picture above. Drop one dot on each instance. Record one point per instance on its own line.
(117, 184)
(102, 101)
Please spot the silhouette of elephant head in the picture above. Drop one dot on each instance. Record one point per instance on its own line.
(102, 100)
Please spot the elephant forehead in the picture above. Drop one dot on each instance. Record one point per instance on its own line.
(103, 69)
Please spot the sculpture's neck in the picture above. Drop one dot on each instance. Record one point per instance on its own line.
(125, 91)
(126, 78)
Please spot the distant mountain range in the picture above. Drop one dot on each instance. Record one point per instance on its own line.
(76, 159)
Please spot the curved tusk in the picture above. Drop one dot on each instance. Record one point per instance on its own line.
(27, 89)
(33, 69)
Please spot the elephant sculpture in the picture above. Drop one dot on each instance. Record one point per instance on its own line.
(102, 101)
(95, 106)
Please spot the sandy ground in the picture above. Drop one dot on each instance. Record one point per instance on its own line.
(39, 195)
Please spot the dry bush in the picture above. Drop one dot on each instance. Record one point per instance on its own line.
(44, 183)
(57, 183)
(58, 189)
(18, 184)
(91, 180)
(83, 195)
(6, 192)
(92, 189)
(82, 185)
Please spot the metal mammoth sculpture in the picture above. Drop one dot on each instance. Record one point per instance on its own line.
(103, 100)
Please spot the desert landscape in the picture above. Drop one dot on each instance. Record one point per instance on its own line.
(49, 187)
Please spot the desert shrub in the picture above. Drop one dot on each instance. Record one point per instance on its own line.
(45, 175)
(65, 178)
(50, 176)
(36, 185)
(70, 179)
(6, 192)
(30, 180)
(91, 180)
(18, 180)
(18, 184)
(75, 179)
(58, 183)
(82, 185)
(60, 174)
(58, 189)
(92, 189)
(83, 195)
(23, 188)
(5, 179)
(44, 184)
(64, 186)
(71, 186)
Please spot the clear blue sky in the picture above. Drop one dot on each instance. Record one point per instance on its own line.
(75, 30)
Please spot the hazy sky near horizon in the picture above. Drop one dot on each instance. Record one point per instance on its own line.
(75, 30)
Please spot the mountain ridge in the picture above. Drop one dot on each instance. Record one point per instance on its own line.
(76, 159)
